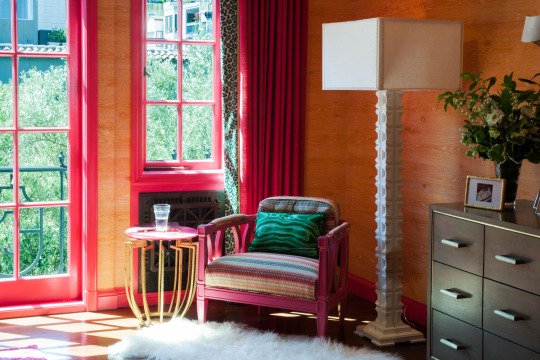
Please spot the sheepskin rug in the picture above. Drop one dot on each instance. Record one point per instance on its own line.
(186, 340)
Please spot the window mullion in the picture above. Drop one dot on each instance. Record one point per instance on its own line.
(15, 82)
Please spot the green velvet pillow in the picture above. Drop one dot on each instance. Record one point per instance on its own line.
(287, 233)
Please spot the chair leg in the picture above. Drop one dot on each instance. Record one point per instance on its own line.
(322, 323)
(202, 309)
(342, 307)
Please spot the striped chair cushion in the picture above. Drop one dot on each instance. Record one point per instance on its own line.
(275, 274)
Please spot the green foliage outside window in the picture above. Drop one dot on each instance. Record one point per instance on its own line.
(197, 79)
(42, 103)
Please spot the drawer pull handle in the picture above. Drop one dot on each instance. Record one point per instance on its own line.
(452, 294)
(452, 345)
(509, 259)
(507, 315)
(453, 243)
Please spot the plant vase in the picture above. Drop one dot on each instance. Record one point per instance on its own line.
(509, 171)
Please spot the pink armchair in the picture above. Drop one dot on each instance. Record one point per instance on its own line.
(277, 280)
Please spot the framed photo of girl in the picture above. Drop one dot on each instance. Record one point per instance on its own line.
(485, 193)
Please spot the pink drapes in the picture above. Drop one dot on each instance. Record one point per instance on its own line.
(272, 60)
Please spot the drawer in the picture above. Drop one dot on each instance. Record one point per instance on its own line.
(496, 348)
(457, 293)
(460, 340)
(512, 314)
(459, 243)
(518, 259)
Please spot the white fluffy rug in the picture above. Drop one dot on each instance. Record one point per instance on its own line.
(186, 340)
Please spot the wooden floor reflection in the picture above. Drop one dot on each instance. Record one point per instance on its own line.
(87, 335)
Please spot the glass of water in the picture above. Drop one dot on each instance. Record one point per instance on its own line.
(161, 212)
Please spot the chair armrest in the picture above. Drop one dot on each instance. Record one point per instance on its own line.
(333, 257)
(211, 235)
(334, 235)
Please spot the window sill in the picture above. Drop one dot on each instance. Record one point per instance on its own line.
(207, 179)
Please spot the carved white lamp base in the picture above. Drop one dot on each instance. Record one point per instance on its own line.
(389, 336)
(388, 328)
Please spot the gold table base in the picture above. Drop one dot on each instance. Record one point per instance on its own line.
(180, 302)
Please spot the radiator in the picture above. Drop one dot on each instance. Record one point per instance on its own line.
(188, 208)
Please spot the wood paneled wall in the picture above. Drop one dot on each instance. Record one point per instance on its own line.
(114, 134)
(340, 144)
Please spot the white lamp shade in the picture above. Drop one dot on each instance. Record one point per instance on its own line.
(392, 54)
(531, 29)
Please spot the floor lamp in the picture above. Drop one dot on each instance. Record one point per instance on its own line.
(391, 55)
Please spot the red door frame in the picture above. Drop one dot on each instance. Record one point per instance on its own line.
(85, 19)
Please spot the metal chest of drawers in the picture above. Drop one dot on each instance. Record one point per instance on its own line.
(484, 283)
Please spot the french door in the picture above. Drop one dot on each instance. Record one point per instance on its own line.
(40, 152)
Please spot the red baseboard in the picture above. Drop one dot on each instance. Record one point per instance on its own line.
(412, 310)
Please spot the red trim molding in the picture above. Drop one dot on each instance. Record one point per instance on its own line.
(412, 310)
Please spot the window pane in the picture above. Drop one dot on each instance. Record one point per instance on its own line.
(6, 168)
(162, 74)
(162, 19)
(198, 20)
(42, 25)
(197, 72)
(6, 243)
(42, 166)
(43, 92)
(161, 132)
(6, 92)
(43, 247)
(5, 24)
(197, 132)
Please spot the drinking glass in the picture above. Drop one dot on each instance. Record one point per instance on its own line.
(161, 212)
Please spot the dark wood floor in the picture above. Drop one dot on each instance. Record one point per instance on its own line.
(87, 335)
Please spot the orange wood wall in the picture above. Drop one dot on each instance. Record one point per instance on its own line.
(340, 129)
(114, 133)
(340, 151)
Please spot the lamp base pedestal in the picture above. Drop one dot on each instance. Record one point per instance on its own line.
(381, 336)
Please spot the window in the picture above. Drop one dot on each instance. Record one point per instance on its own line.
(169, 23)
(179, 117)
(25, 9)
(40, 147)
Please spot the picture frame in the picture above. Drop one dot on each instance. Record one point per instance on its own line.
(485, 193)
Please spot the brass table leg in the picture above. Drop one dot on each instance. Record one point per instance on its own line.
(181, 302)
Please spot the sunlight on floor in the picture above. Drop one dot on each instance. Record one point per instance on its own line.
(32, 321)
(69, 333)
(76, 327)
(308, 315)
(114, 334)
(285, 315)
(79, 351)
(9, 336)
(42, 343)
(85, 316)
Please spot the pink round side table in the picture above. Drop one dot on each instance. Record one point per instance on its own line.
(145, 237)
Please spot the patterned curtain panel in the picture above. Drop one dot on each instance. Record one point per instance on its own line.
(229, 71)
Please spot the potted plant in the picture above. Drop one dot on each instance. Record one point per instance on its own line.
(57, 36)
(502, 125)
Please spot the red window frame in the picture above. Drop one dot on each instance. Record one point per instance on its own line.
(62, 286)
(197, 175)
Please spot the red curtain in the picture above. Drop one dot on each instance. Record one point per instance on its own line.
(272, 60)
